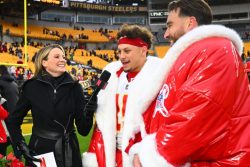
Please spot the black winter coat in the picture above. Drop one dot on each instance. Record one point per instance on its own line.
(9, 91)
(54, 108)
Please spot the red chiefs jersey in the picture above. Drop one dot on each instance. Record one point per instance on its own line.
(111, 114)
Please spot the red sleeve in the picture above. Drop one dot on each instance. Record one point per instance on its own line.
(132, 142)
(3, 113)
(97, 146)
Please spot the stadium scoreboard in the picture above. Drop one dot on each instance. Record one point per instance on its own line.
(158, 16)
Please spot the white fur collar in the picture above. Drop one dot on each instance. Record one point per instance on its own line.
(147, 86)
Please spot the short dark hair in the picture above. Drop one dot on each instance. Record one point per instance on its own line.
(197, 8)
(135, 31)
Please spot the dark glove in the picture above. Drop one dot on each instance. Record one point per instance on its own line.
(24, 149)
(91, 106)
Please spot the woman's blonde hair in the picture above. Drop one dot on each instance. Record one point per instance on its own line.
(42, 54)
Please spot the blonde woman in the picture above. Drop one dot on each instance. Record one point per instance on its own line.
(57, 103)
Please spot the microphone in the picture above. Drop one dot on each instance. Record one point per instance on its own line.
(100, 84)
(91, 105)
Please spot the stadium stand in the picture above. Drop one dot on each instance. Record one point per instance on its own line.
(88, 32)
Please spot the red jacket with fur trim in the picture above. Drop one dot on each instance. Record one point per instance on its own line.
(102, 149)
(201, 112)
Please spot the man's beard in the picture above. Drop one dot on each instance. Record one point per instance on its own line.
(175, 38)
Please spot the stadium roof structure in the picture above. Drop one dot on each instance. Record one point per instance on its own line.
(16, 7)
(11, 7)
(130, 2)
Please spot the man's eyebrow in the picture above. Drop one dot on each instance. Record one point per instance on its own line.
(168, 23)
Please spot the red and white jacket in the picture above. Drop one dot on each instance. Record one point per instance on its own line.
(102, 149)
(194, 110)
(3, 115)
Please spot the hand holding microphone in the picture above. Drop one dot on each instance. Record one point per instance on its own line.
(91, 105)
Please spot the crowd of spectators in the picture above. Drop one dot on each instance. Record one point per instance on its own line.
(13, 49)
(79, 72)
(21, 73)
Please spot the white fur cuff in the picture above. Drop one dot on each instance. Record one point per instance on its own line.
(134, 149)
(89, 160)
(149, 155)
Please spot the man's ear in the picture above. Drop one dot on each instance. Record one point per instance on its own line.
(144, 50)
(192, 23)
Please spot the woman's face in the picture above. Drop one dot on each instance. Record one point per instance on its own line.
(55, 64)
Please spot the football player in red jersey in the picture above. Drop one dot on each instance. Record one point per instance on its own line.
(106, 148)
